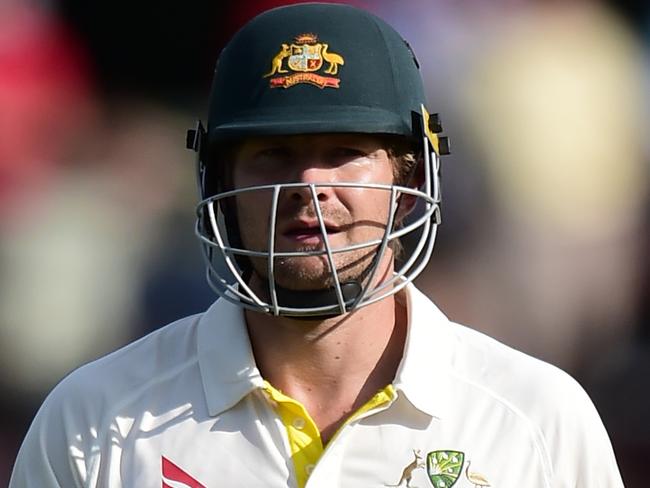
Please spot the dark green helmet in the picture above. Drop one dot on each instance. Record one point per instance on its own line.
(312, 68)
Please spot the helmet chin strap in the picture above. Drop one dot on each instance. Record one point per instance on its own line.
(318, 298)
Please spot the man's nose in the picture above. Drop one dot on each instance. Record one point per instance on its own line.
(315, 174)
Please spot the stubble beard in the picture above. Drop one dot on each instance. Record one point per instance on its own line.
(315, 273)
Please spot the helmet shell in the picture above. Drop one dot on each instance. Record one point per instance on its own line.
(315, 68)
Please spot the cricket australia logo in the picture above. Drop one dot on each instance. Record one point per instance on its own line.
(304, 58)
(444, 467)
(444, 470)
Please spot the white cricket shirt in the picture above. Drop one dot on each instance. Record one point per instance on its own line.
(187, 407)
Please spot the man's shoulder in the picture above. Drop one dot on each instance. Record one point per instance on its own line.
(528, 398)
(130, 370)
(536, 391)
(486, 365)
(102, 398)
(516, 400)
(486, 373)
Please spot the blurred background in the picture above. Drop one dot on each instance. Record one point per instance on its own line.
(546, 217)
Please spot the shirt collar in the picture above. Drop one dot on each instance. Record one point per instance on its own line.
(423, 375)
(226, 361)
(229, 371)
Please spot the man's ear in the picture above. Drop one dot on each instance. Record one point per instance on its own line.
(406, 202)
(406, 205)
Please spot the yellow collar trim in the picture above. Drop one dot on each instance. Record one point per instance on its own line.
(305, 443)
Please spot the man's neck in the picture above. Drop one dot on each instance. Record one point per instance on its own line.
(331, 366)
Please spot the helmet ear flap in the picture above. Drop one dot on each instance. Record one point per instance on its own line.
(214, 177)
(219, 179)
(229, 210)
(195, 140)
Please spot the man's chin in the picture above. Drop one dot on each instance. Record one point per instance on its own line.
(303, 278)
(308, 278)
(311, 273)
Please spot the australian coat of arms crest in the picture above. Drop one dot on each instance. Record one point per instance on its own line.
(300, 62)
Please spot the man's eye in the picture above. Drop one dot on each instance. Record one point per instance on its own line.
(274, 153)
(347, 152)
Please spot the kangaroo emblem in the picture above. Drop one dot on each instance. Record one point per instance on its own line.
(276, 64)
(407, 473)
(333, 59)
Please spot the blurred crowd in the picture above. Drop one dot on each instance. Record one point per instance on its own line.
(546, 209)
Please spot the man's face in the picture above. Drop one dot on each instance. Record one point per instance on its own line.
(352, 215)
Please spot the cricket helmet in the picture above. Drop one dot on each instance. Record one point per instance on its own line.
(308, 69)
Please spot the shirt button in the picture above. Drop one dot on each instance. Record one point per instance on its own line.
(309, 468)
(299, 423)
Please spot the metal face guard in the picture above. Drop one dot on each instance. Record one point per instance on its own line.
(230, 282)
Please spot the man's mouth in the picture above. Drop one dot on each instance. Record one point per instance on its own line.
(310, 233)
